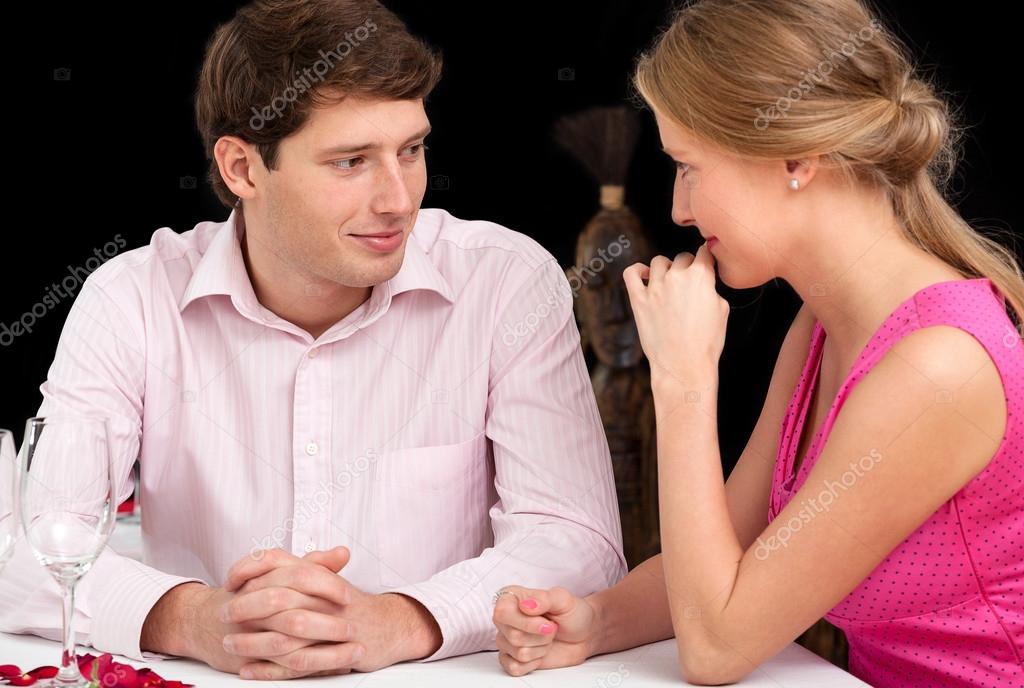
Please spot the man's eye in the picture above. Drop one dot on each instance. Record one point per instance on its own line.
(352, 163)
(346, 164)
(682, 167)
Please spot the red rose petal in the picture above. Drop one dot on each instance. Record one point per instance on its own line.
(111, 674)
(147, 679)
(9, 670)
(43, 672)
(85, 667)
(122, 676)
(107, 663)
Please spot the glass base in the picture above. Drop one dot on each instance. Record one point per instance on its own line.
(55, 682)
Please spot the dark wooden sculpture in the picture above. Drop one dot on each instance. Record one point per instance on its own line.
(619, 374)
(603, 139)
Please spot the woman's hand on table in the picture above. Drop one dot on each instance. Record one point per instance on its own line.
(544, 629)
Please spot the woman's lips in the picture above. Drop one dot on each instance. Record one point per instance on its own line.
(711, 241)
(382, 243)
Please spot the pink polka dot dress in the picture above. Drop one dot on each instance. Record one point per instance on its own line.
(946, 607)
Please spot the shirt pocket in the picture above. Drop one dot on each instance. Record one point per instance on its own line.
(430, 509)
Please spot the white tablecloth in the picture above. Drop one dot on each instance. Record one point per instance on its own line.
(648, 665)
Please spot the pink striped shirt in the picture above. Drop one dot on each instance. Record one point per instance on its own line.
(445, 431)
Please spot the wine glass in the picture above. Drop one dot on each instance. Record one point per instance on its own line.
(8, 496)
(68, 504)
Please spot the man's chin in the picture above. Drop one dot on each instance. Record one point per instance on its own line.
(375, 268)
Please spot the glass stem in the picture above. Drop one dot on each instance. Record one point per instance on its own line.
(69, 672)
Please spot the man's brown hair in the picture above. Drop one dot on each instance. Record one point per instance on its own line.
(275, 60)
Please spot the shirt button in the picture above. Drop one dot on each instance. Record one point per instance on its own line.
(313, 352)
(311, 448)
(309, 546)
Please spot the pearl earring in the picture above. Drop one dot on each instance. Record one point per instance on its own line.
(794, 184)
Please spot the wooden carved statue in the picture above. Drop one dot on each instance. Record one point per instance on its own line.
(613, 240)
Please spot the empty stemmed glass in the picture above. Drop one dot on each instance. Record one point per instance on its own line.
(8, 496)
(68, 503)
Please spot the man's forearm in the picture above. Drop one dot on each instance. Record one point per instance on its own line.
(166, 626)
(633, 612)
(423, 631)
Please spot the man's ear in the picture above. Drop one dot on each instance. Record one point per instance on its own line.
(235, 158)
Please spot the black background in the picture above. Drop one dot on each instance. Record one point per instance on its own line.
(103, 153)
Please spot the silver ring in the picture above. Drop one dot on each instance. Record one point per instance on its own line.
(500, 593)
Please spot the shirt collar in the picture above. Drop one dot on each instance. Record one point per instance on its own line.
(418, 270)
(222, 270)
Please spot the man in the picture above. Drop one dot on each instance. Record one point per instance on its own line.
(356, 420)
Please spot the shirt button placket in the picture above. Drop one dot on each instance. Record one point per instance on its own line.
(313, 401)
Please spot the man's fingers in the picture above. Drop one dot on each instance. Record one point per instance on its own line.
(302, 623)
(263, 604)
(269, 670)
(296, 623)
(334, 559)
(264, 644)
(252, 566)
(307, 578)
(315, 660)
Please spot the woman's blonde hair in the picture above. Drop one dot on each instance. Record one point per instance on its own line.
(785, 79)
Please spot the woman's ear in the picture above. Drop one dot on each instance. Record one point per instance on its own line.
(801, 169)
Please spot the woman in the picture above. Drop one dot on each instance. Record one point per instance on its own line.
(882, 485)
